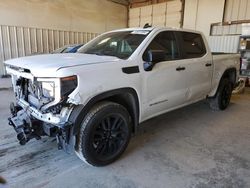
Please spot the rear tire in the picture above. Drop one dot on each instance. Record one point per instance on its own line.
(104, 134)
(223, 96)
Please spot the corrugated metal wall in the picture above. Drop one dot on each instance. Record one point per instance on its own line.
(226, 44)
(225, 38)
(162, 14)
(22, 41)
(237, 10)
(234, 29)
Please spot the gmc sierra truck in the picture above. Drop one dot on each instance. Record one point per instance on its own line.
(93, 101)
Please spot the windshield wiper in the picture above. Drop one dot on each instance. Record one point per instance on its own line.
(102, 54)
(95, 53)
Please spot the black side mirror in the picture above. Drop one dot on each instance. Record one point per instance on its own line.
(151, 57)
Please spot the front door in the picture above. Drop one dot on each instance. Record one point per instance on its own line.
(165, 85)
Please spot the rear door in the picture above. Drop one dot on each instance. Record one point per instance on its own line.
(198, 64)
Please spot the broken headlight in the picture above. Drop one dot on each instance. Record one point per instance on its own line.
(68, 85)
(57, 88)
(48, 89)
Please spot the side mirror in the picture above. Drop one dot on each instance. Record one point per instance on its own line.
(151, 57)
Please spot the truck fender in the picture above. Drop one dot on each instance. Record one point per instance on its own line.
(228, 73)
(129, 100)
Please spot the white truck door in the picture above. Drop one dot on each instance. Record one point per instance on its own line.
(165, 85)
(198, 63)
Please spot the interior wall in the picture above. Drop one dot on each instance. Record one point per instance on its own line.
(94, 16)
(200, 14)
(135, 3)
(159, 14)
(237, 10)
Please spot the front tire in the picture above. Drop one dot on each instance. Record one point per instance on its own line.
(104, 135)
(223, 96)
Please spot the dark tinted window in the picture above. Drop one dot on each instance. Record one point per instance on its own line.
(166, 42)
(193, 45)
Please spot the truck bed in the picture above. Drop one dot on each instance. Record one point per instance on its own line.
(222, 53)
(217, 56)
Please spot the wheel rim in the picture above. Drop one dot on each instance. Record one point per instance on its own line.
(109, 136)
(226, 95)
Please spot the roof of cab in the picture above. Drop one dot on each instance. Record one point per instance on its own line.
(155, 28)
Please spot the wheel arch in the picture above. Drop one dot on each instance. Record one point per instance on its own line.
(229, 73)
(126, 97)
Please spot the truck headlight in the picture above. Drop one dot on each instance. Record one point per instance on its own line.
(58, 88)
(49, 87)
(68, 85)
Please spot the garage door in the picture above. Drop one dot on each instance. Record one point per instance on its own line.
(162, 14)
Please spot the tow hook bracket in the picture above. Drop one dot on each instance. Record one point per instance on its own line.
(18, 125)
(63, 137)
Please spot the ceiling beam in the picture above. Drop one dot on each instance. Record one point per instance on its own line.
(121, 2)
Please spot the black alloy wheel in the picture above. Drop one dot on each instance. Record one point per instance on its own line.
(104, 134)
(226, 95)
(109, 136)
(222, 98)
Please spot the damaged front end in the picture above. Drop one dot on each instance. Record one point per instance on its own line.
(41, 107)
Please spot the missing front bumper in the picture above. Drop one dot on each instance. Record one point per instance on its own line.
(30, 123)
(22, 124)
(48, 117)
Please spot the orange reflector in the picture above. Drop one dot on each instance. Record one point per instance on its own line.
(68, 78)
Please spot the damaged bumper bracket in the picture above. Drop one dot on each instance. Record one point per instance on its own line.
(24, 120)
(48, 117)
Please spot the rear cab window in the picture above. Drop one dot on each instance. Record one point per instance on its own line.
(192, 45)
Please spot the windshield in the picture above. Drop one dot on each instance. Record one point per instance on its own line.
(118, 44)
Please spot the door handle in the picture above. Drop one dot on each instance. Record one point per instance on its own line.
(180, 68)
(208, 64)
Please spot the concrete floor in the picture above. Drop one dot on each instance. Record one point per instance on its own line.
(190, 147)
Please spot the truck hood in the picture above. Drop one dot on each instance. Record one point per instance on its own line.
(54, 62)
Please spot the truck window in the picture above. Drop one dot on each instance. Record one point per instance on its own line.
(193, 45)
(119, 44)
(165, 41)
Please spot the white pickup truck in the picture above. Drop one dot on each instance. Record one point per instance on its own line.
(93, 100)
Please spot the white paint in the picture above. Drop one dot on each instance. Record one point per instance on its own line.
(163, 83)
